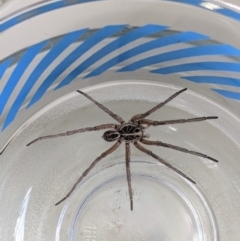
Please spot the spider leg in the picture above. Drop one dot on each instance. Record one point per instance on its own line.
(104, 154)
(179, 121)
(127, 146)
(158, 106)
(178, 148)
(114, 116)
(68, 133)
(150, 153)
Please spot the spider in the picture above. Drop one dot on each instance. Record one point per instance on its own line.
(131, 132)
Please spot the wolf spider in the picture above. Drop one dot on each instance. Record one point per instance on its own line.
(132, 131)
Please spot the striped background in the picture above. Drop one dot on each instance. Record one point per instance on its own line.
(56, 63)
(8, 23)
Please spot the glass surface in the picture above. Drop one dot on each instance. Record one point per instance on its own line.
(166, 206)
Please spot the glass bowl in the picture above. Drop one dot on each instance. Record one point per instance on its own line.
(166, 205)
(129, 56)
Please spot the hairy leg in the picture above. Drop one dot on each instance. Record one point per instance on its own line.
(179, 121)
(177, 148)
(114, 116)
(150, 153)
(69, 133)
(127, 146)
(104, 154)
(158, 106)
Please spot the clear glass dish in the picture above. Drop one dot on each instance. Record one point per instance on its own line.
(166, 206)
(47, 42)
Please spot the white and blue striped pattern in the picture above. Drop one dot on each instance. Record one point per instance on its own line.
(12, 21)
(114, 53)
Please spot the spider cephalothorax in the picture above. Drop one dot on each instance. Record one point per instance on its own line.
(131, 132)
(126, 132)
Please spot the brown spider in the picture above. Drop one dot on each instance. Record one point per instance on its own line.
(131, 132)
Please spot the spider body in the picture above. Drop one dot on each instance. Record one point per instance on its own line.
(131, 132)
(128, 133)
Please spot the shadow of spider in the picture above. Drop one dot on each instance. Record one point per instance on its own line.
(129, 132)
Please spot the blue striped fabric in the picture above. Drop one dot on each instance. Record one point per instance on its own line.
(63, 3)
(83, 48)
(4, 66)
(217, 80)
(182, 53)
(224, 11)
(32, 79)
(18, 72)
(154, 44)
(228, 94)
(110, 53)
(206, 66)
(116, 44)
(40, 10)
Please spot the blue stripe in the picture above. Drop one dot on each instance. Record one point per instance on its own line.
(214, 80)
(190, 2)
(182, 53)
(223, 11)
(35, 12)
(58, 49)
(41, 67)
(89, 43)
(60, 4)
(228, 94)
(4, 66)
(156, 43)
(118, 43)
(32, 13)
(72, 57)
(27, 58)
(8, 24)
(229, 13)
(218, 66)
